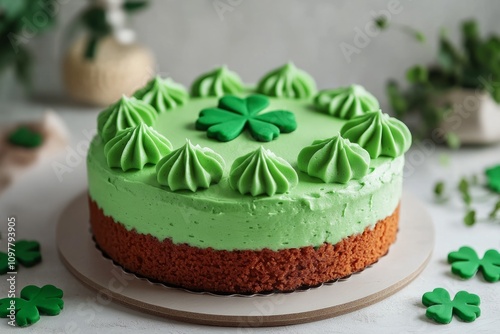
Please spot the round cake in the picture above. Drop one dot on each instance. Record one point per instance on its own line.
(237, 189)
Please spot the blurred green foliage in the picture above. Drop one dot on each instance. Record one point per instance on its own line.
(21, 21)
(475, 64)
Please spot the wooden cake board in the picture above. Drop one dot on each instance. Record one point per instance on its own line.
(404, 262)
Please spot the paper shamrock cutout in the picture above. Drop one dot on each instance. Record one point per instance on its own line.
(465, 263)
(33, 302)
(493, 178)
(27, 253)
(233, 115)
(441, 308)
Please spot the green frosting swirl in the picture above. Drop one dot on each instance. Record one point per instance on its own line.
(262, 172)
(218, 82)
(189, 168)
(379, 134)
(334, 160)
(346, 102)
(163, 94)
(287, 81)
(135, 147)
(126, 113)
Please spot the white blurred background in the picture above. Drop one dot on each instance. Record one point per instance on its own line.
(253, 36)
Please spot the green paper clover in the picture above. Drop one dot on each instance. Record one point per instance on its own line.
(493, 178)
(233, 115)
(27, 253)
(33, 302)
(465, 263)
(441, 308)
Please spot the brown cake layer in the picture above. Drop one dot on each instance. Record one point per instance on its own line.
(241, 271)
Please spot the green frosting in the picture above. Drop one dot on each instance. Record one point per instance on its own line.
(163, 94)
(23, 136)
(262, 172)
(334, 160)
(440, 306)
(346, 102)
(221, 218)
(126, 113)
(233, 115)
(135, 147)
(379, 134)
(287, 81)
(218, 82)
(189, 168)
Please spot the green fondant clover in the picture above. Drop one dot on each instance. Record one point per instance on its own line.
(233, 115)
(493, 178)
(441, 308)
(465, 263)
(33, 302)
(27, 253)
(23, 136)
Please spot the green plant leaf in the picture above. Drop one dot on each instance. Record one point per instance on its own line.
(495, 210)
(397, 100)
(134, 5)
(452, 140)
(470, 218)
(94, 19)
(417, 74)
(471, 41)
(439, 188)
(449, 58)
(11, 10)
(381, 22)
(419, 36)
(463, 186)
(495, 94)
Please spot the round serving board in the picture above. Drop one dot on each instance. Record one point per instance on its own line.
(405, 260)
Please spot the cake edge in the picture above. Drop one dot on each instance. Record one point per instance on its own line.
(240, 271)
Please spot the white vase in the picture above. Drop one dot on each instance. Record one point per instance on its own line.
(116, 70)
(474, 117)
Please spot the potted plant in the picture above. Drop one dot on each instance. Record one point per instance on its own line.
(105, 62)
(21, 21)
(456, 99)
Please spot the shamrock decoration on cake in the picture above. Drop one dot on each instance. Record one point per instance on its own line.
(465, 263)
(33, 302)
(233, 115)
(441, 308)
(493, 178)
(27, 253)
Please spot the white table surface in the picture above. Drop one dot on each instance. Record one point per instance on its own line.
(38, 198)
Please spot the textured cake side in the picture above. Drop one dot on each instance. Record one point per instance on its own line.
(240, 271)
